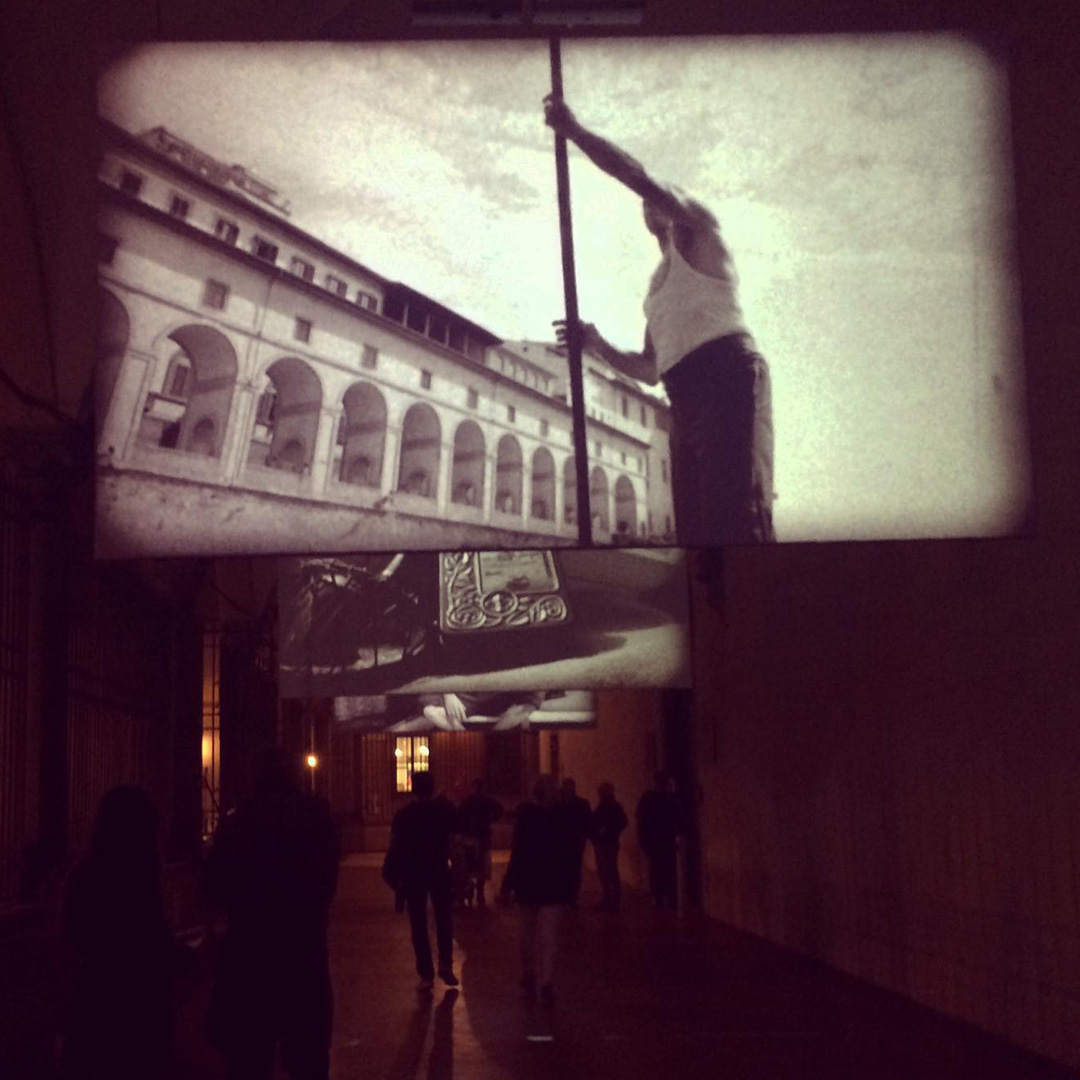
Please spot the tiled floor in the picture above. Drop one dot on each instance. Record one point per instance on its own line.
(640, 994)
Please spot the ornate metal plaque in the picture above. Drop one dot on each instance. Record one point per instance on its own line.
(500, 590)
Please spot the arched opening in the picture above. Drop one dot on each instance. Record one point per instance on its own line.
(467, 475)
(363, 435)
(508, 476)
(625, 509)
(543, 485)
(569, 492)
(418, 473)
(598, 500)
(188, 409)
(287, 417)
(114, 329)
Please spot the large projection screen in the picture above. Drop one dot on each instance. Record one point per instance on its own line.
(483, 622)
(329, 275)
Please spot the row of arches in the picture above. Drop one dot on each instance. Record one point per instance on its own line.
(191, 413)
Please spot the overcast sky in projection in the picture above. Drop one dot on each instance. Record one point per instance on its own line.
(862, 185)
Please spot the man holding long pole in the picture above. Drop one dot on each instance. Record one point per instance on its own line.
(697, 343)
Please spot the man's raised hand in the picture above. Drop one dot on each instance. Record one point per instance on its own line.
(559, 118)
(588, 335)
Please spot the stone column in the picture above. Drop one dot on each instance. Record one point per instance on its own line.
(390, 460)
(324, 449)
(238, 432)
(125, 410)
(446, 472)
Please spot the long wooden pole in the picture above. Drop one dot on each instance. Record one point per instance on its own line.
(573, 333)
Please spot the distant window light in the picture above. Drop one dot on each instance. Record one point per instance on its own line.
(106, 248)
(474, 398)
(226, 230)
(215, 294)
(545, 428)
(301, 268)
(179, 207)
(130, 183)
(302, 330)
(369, 358)
(263, 249)
(366, 300)
(511, 414)
(425, 380)
(335, 285)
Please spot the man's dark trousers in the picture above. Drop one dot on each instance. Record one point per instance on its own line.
(417, 891)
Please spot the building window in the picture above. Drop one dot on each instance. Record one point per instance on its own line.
(415, 318)
(457, 338)
(437, 329)
(545, 427)
(178, 378)
(301, 268)
(663, 469)
(179, 207)
(474, 349)
(106, 248)
(335, 285)
(625, 406)
(369, 358)
(425, 379)
(411, 755)
(644, 417)
(130, 183)
(474, 398)
(599, 447)
(266, 411)
(511, 414)
(640, 464)
(226, 230)
(263, 249)
(211, 732)
(367, 301)
(622, 455)
(215, 294)
(302, 330)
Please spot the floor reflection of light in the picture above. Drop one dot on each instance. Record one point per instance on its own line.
(539, 1038)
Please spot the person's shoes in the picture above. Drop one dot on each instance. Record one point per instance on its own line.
(528, 987)
(447, 975)
(425, 984)
(547, 995)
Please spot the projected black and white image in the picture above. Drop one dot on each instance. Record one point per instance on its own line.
(513, 710)
(483, 622)
(328, 306)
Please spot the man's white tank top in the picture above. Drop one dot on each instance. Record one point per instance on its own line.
(690, 308)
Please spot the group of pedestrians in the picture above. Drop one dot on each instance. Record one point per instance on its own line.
(269, 880)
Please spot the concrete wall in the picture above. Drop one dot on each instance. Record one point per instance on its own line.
(888, 746)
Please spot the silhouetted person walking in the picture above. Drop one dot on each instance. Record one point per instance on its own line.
(578, 817)
(120, 1021)
(273, 870)
(541, 878)
(606, 827)
(418, 865)
(477, 813)
(659, 825)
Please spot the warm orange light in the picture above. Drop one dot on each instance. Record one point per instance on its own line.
(312, 761)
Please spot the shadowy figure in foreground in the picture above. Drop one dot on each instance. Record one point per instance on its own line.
(417, 866)
(541, 877)
(273, 871)
(606, 827)
(476, 815)
(659, 826)
(122, 1010)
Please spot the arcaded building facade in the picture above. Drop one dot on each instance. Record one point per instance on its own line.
(261, 391)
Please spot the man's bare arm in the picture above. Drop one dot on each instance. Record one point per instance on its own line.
(637, 365)
(622, 167)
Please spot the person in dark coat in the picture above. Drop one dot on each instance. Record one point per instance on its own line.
(579, 817)
(417, 866)
(477, 813)
(605, 828)
(122, 1010)
(659, 825)
(273, 870)
(541, 878)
